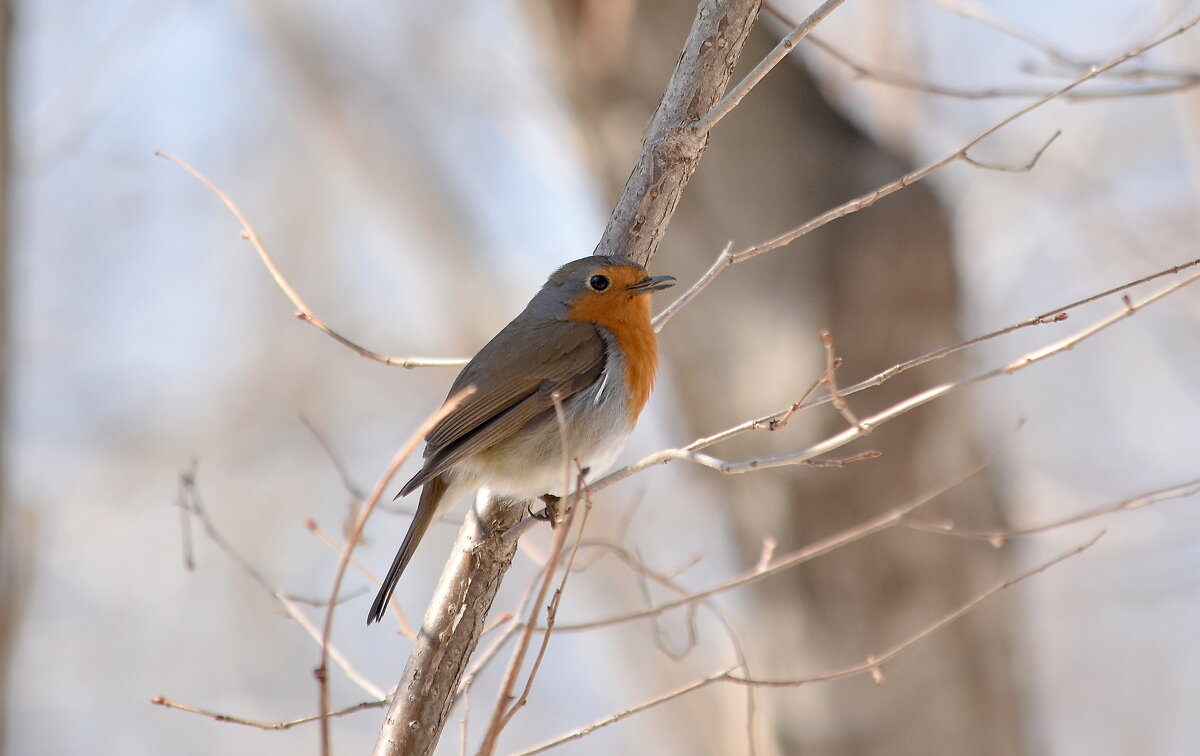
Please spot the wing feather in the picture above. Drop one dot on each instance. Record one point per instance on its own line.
(571, 357)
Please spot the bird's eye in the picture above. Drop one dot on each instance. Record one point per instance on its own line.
(598, 283)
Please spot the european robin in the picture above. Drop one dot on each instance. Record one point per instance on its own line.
(587, 337)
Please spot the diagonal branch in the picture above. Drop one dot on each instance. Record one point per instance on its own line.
(673, 145)
(774, 58)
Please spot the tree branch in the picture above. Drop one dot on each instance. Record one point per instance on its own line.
(673, 145)
(303, 312)
(456, 618)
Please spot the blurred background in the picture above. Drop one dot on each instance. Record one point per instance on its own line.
(417, 169)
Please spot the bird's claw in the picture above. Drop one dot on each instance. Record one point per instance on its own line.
(550, 512)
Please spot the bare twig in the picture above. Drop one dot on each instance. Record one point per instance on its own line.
(998, 537)
(404, 628)
(285, 725)
(669, 696)
(838, 440)
(1179, 81)
(1055, 315)
(713, 271)
(727, 259)
(506, 705)
(552, 609)
(321, 672)
(912, 177)
(1176, 80)
(874, 663)
(339, 465)
(863, 530)
(303, 312)
(979, 13)
(832, 362)
(735, 95)
(187, 483)
(190, 500)
(1025, 167)
(898, 517)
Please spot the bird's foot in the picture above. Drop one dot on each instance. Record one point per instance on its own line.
(550, 512)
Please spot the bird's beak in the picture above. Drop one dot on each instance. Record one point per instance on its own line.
(652, 283)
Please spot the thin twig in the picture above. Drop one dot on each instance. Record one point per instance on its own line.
(303, 312)
(734, 96)
(1025, 167)
(832, 363)
(668, 696)
(1055, 315)
(838, 440)
(863, 530)
(339, 465)
(187, 481)
(727, 259)
(911, 177)
(723, 260)
(998, 537)
(506, 705)
(874, 663)
(190, 500)
(404, 628)
(552, 609)
(262, 725)
(321, 672)
(1181, 81)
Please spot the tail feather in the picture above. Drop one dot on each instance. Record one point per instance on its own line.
(431, 496)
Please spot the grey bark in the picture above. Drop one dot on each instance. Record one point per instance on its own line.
(671, 150)
(450, 631)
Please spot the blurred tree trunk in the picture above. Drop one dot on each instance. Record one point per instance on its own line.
(883, 282)
(9, 584)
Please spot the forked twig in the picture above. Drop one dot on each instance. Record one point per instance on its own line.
(726, 259)
(734, 96)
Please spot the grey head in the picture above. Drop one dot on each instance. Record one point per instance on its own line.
(596, 273)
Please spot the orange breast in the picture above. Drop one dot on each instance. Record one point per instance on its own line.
(627, 317)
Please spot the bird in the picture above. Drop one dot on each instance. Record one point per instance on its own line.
(585, 337)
